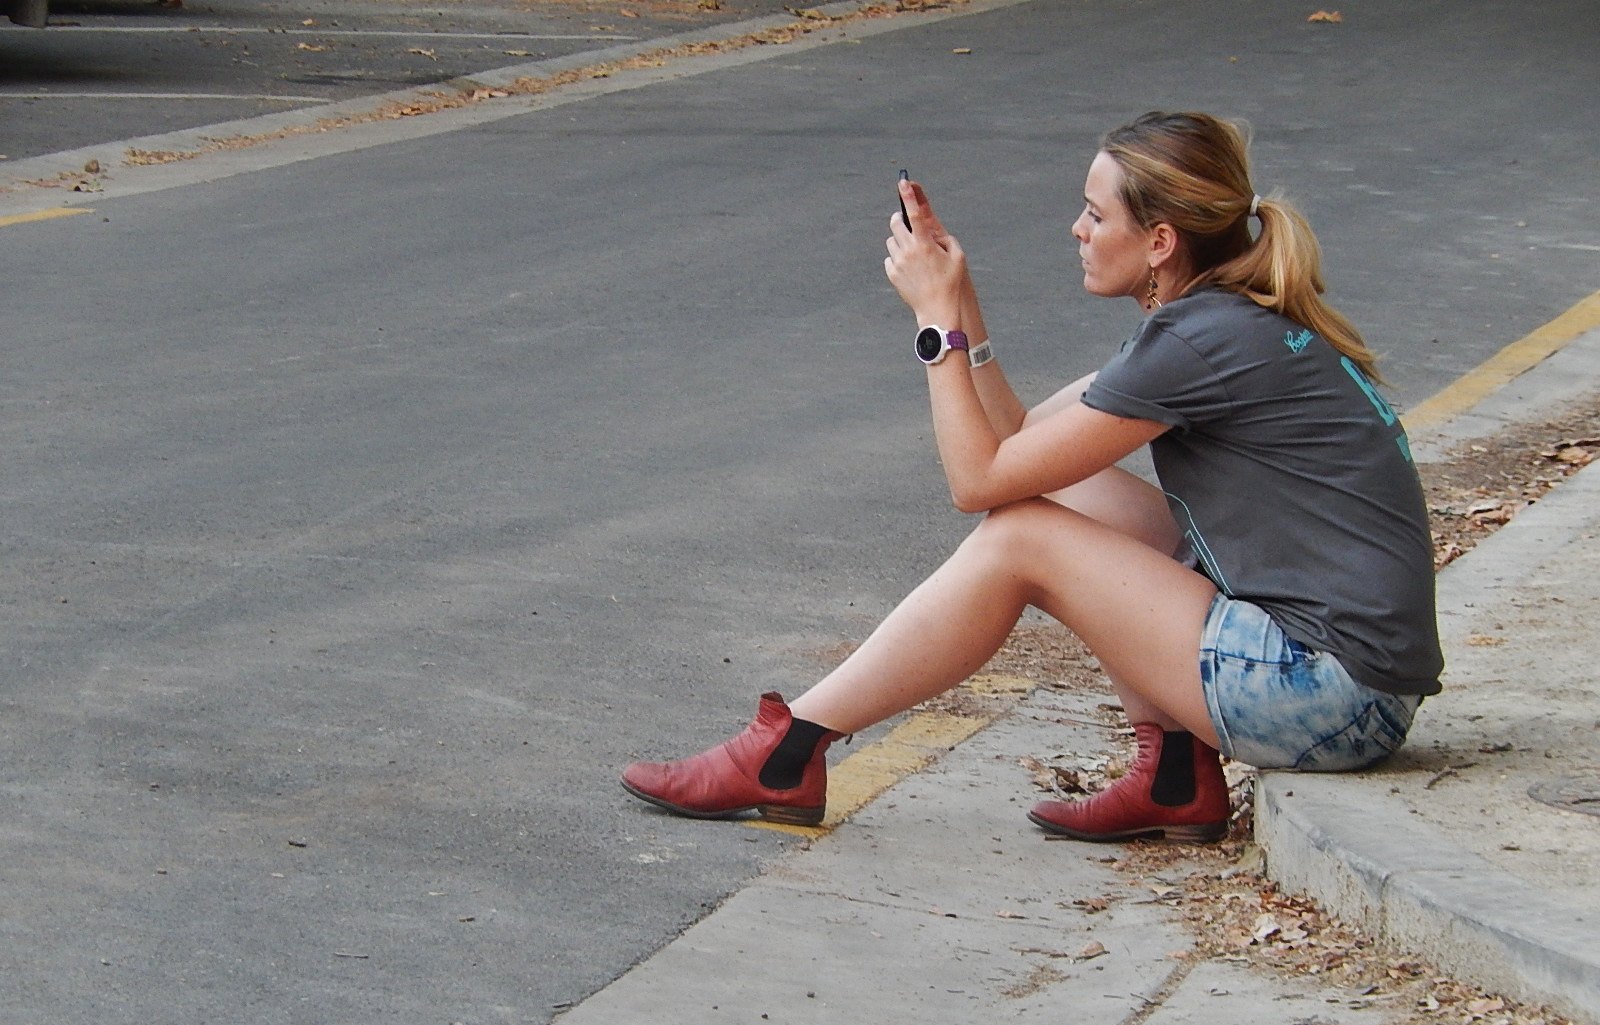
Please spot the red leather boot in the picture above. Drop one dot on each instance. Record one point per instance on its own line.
(1175, 790)
(726, 780)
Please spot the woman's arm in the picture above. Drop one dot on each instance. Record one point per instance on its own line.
(1054, 452)
(985, 466)
(1071, 395)
(1000, 403)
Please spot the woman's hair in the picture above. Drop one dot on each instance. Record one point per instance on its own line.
(1192, 171)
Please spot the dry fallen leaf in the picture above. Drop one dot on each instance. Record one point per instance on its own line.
(312, 48)
(962, 50)
(1495, 513)
(1576, 454)
(420, 52)
(1093, 949)
(1053, 779)
(1327, 16)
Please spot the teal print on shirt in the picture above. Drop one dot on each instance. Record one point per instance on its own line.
(1297, 342)
(1197, 543)
(1383, 408)
(1385, 411)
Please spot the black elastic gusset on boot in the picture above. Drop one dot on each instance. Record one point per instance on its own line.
(1174, 784)
(787, 763)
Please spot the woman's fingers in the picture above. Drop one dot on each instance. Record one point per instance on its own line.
(921, 211)
(925, 263)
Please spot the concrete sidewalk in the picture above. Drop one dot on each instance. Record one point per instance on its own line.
(939, 903)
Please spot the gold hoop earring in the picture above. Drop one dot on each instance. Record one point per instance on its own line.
(1150, 300)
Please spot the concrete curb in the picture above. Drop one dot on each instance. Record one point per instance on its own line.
(1370, 864)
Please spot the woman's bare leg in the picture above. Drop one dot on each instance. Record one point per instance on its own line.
(1138, 610)
(1131, 505)
(1126, 503)
(1115, 498)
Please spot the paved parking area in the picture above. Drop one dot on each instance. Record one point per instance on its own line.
(106, 70)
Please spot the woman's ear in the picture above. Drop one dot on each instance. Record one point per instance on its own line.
(1163, 243)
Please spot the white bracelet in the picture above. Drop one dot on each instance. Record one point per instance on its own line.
(979, 354)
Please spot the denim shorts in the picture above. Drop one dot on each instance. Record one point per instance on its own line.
(1278, 704)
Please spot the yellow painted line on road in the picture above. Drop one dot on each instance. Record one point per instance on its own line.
(43, 215)
(1505, 366)
(909, 747)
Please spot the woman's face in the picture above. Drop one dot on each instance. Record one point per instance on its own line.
(1114, 249)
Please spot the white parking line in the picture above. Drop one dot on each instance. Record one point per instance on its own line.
(163, 96)
(419, 34)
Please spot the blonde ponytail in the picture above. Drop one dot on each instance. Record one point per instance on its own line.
(1192, 171)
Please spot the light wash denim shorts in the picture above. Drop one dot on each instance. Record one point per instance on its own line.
(1278, 704)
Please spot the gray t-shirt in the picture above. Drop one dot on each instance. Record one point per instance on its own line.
(1291, 478)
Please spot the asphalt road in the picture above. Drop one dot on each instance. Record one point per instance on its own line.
(366, 513)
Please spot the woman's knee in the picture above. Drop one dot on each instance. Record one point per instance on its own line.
(1014, 535)
(1015, 520)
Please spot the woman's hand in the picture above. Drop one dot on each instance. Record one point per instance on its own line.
(926, 265)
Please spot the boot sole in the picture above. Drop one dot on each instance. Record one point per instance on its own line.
(1208, 832)
(779, 813)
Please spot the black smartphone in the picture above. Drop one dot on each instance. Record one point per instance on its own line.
(904, 176)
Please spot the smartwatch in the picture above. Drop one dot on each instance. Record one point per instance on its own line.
(934, 343)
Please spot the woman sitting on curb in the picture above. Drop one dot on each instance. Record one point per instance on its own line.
(1272, 600)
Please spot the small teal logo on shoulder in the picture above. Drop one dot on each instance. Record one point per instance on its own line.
(1297, 342)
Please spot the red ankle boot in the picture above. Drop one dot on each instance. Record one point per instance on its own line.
(1169, 792)
(726, 780)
